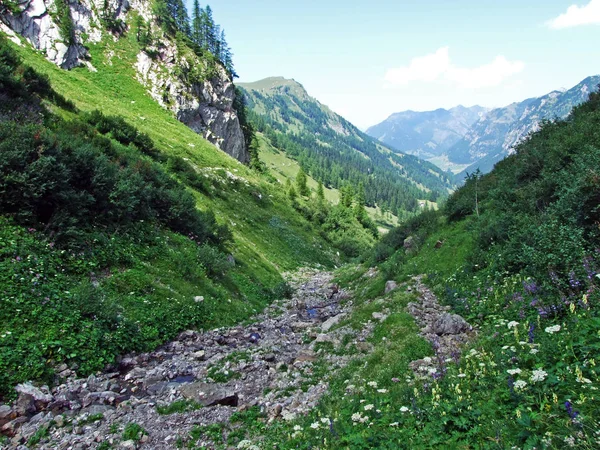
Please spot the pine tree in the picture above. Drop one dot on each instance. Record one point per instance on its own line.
(208, 30)
(301, 185)
(320, 193)
(197, 24)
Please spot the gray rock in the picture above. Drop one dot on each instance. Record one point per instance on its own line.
(450, 324)
(390, 285)
(208, 394)
(329, 323)
(379, 316)
(35, 393)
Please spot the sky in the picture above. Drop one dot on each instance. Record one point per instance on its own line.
(369, 59)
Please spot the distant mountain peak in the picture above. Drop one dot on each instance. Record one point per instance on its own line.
(272, 83)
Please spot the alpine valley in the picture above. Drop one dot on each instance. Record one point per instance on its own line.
(187, 262)
(464, 140)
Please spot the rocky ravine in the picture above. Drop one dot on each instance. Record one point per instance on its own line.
(270, 364)
(205, 106)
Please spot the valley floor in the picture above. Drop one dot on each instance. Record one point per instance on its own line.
(237, 387)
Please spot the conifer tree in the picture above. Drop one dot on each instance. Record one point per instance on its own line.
(196, 33)
(301, 185)
(320, 193)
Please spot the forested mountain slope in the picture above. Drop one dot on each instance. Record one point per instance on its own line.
(335, 152)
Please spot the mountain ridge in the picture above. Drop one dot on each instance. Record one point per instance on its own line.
(465, 145)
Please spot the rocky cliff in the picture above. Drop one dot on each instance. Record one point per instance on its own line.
(61, 31)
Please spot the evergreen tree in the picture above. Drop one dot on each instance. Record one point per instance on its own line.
(301, 185)
(208, 30)
(346, 196)
(320, 193)
(196, 31)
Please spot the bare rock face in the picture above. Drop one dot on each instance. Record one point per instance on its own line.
(36, 23)
(205, 106)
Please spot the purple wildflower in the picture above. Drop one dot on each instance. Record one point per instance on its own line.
(569, 407)
(530, 287)
(530, 332)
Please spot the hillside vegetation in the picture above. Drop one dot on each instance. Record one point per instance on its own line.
(515, 252)
(121, 229)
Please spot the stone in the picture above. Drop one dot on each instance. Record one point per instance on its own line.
(10, 428)
(136, 373)
(129, 445)
(379, 316)
(329, 323)
(199, 355)
(208, 394)
(306, 356)
(450, 324)
(390, 285)
(35, 393)
(59, 420)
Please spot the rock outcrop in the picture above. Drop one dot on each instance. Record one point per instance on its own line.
(204, 103)
(205, 106)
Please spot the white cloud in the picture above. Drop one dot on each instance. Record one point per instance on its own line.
(423, 68)
(436, 67)
(491, 74)
(577, 15)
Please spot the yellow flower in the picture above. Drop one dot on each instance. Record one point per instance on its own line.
(518, 414)
(555, 398)
(572, 308)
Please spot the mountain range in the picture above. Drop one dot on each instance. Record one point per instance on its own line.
(464, 139)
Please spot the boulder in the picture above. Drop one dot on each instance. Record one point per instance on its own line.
(208, 394)
(390, 285)
(450, 324)
(326, 326)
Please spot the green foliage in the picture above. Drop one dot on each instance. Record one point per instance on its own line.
(62, 17)
(133, 432)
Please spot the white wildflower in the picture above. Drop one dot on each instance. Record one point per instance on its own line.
(513, 371)
(382, 391)
(356, 417)
(372, 384)
(533, 351)
(314, 425)
(538, 375)
(325, 420)
(512, 324)
(553, 329)
(369, 407)
(403, 409)
(395, 424)
(297, 428)
(520, 384)
(461, 375)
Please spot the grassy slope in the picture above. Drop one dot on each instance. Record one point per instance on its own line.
(114, 90)
(156, 283)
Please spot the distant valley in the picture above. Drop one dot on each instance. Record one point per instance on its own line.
(464, 139)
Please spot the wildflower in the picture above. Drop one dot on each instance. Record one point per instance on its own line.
(569, 407)
(372, 384)
(394, 424)
(356, 417)
(533, 351)
(461, 375)
(570, 441)
(396, 380)
(538, 375)
(297, 428)
(382, 391)
(369, 407)
(403, 409)
(325, 420)
(364, 419)
(314, 425)
(512, 324)
(514, 371)
(553, 329)
(520, 384)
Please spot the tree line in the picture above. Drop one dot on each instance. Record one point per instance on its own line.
(204, 34)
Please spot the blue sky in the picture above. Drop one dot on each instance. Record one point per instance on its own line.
(369, 59)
